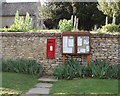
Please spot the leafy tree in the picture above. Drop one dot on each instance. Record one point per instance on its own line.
(87, 13)
(110, 9)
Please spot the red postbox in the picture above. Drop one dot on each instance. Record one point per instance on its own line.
(50, 48)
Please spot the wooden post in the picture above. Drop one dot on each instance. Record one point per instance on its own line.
(88, 60)
(63, 59)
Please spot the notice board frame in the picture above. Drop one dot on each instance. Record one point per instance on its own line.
(75, 35)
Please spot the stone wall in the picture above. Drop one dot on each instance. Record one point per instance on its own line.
(33, 46)
(105, 47)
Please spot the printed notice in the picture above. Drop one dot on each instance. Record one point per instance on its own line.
(71, 42)
(87, 48)
(86, 40)
(69, 50)
(66, 49)
(82, 50)
(65, 44)
(79, 41)
(78, 50)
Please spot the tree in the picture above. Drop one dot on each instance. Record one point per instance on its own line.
(87, 13)
(110, 9)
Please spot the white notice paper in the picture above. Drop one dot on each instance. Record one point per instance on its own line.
(66, 49)
(87, 48)
(78, 50)
(65, 44)
(79, 41)
(69, 50)
(70, 42)
(82, 50)
(86, 40)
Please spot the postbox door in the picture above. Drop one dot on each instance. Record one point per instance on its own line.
(51, 48)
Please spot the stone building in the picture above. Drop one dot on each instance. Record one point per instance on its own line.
(9, 10)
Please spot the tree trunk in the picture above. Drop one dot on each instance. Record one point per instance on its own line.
(106, 20)
(114, 17)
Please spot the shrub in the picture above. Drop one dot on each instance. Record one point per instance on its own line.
(65, 25)
(3, 30)
(87, 71)
(103, 70)
(71, 69)
(20, 24)
(99, 68)
(22, 66)
(110, 28)
(113, 71)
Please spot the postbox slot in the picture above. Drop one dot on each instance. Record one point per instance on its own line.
(50, 42)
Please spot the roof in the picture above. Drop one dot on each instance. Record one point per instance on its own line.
(9, 9)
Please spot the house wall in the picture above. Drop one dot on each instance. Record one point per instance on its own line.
(8, 21)
(33, 46)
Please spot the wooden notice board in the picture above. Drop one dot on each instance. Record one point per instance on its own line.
(76, 43)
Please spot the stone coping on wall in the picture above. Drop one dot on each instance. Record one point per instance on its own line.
(30, 34)
(48, 34)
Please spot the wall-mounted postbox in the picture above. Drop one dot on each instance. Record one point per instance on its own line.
(50, 48)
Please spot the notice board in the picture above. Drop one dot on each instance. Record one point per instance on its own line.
(76, 43)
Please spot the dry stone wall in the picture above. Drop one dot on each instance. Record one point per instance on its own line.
(105, 47)
(33, 46)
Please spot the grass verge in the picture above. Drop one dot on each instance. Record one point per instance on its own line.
(15, 83)
(85, 86)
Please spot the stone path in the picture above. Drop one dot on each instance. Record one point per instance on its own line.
(42, 88)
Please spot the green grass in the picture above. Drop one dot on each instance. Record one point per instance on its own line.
(33, 30)
(85, 86)
(15, 83)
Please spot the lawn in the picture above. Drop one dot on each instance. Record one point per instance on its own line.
(85, 86)
(15, 83)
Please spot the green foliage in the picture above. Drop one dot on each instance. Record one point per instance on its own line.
(22, 66)
(98, 69)
(113, 72)
(69, 70)
(65, 25)
(87, 13)
(87, 72)
(108, 7)
(105, 8)
(110, 28)
(103, 70)
(111, 9)
(16, 83)
(45, 30)
(21, 24)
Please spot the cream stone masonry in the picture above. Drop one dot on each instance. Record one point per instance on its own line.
(33, 46)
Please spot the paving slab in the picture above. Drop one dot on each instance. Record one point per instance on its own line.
(43, 79)
(35, 91)
(43, 85)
